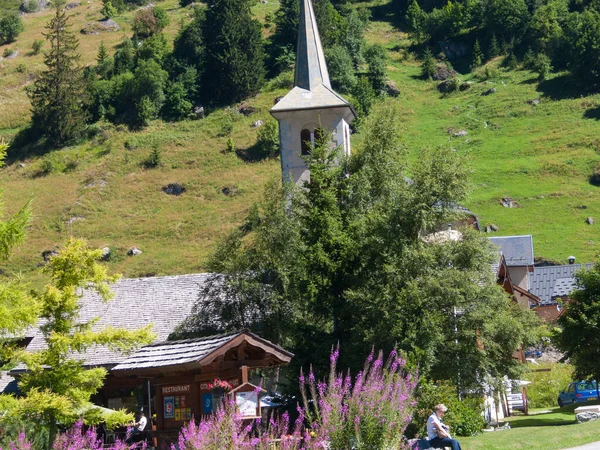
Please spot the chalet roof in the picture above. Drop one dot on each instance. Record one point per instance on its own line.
(8, 385)
(194, 353)
(311, 69)
(551, 282)
(163, 302)
(518, 250)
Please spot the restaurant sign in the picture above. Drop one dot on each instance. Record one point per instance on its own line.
(181, 388)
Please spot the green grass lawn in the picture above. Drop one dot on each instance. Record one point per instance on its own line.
(556, 429)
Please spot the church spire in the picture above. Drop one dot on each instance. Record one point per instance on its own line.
(311, 69)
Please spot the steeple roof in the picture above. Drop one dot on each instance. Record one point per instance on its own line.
(311, 69)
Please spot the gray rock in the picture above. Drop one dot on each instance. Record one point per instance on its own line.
(72, 220)
(198, 112)
(72, 5)
(258, 123)
(589, 221)
(391, 89)
(134, 251)
(442, 72)
(48, 254)
(229, 191)
(246, 109)
(508, 202)
(173, 189)
(535, 101)
(105, 253)
(586, 417)
(465, 86)
(494, 227)
(21, 165)
(277, 100)
(460, 133)
(105, 25)
(489, 91)
(13, 54)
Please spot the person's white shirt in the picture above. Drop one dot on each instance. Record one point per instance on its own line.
(433, 424)
(142, 423)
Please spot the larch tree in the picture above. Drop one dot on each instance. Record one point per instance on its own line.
(58, 96)
(56, 385)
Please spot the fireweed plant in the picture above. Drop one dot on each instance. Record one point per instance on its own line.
(370, 411)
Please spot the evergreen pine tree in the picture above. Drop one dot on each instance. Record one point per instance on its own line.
(428, 66)
(477, 55)
(125, 57)
(494, 49)
(234, 51)
(102, 54)
(529, 59)
(286, 23)
(59, 94)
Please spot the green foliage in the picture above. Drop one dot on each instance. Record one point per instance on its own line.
(177, 106)
(364, 99)
(268, 139)
(286, 24)
(149, 21)
(580, 323)
(464, 415)
(510, 62)
(494, 49)
(156, 47)
(547, 25)
(542, 65)
(36, 47)
(428, 65)
(188, 48)
(582, 40)
(545, 386)
(478, 57)
(7, 52)
(376, 57)
(415, 20)
(529, 59)
(154, 159)
(118, 6)
(102, 54)
(353, 37)
(341, 68)
(230, 146)
(21, 68)
(56, 386)
(59, 94)
(11, 25)
(108, 10)
(125, 57)
(234, 51)
(31, 6)
(323, 262)
(507, 18)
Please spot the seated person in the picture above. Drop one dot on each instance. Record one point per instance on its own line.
(438, 433)
(137, 433)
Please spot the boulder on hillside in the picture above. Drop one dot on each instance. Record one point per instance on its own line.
(102, 26)
(72, 5)
(134, 251)
(105, 254)
(442, 72)
(533, 102)
(589, 221)
(391, 89)
(246, 109)
(489, 92)
(198, 112)
(48, 254)
(257, 124)
(277, 100)
(173, 189)
(31, 6)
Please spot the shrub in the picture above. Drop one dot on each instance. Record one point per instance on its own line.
(464, 416)
(36, 47)
(149, 21)
(545, 386)
(154, 159)
(542, 66)
(7, 52)
(21, 68)
(341, 68)
(428, 65)
(230, 146)
(108, 10)
(31, 6)
(376, 57)
(11, 26)
(268, 139)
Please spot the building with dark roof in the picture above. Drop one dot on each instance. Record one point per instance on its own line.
(518, 252)
(553, 283)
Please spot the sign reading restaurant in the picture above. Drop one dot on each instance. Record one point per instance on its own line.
(177, 389)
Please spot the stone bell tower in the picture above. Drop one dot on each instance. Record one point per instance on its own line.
(311, 106)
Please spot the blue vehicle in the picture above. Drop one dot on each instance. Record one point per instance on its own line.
(578, 391)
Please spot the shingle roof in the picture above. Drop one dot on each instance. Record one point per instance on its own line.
(191, 352)
(550, 282)
(318, 97)
(8, 385)
(517, 250)
(163, 302)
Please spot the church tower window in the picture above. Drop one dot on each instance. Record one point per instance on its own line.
(307, 140)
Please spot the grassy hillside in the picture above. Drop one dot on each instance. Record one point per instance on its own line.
(540, 155)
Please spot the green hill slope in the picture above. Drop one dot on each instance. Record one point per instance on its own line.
(540, 155)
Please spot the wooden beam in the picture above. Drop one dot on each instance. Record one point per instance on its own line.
(244, 374)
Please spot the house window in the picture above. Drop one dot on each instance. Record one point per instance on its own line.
(307, 140)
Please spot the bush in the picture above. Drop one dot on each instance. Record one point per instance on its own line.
(268, 139)
(31, 6)
(154, 159)
(464, 416)
(21, 68)
(428, 65)
(149, 21)
(545, 386)
(177, 106)
(341, 68)
(376, 57)
(230, 146)
(108, 10)
(541, 65)
(11, 26)
(36, 47)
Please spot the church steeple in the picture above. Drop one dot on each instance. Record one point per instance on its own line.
(311, 69)
(312, 106)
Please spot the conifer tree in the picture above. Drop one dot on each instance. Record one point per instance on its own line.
(477, 55)
(494, 49)
(102, 54)
(125, 57)
(59, 94)
(428, 67)
(234, 51)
